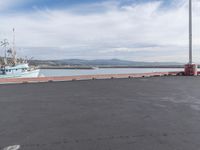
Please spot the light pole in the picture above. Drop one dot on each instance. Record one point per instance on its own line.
(190, 68)
(190, 31)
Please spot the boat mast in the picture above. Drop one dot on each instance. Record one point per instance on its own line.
(5, 53)
(190, 31)
(4, 44)
(13, 48)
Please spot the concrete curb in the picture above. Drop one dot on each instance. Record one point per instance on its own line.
(84, 77)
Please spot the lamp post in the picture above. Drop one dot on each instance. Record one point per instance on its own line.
(190, 31)
(190, 68)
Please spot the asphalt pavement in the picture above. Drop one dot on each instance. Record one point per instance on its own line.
(156, 113)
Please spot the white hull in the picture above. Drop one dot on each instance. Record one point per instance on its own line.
(27, 74)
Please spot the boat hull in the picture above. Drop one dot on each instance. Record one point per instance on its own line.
(28, 74)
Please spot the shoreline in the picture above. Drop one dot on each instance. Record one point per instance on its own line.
(106, 67)
(66, 67)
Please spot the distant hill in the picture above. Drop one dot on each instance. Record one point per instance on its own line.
(100, 63)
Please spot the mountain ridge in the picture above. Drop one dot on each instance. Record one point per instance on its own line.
(100, 62)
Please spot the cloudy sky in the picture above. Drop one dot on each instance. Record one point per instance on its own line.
(139, 30)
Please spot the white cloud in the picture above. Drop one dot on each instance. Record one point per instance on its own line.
(115, 32)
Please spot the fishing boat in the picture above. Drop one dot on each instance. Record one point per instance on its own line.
(13, 67)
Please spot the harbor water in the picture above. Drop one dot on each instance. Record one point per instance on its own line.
(77, 72)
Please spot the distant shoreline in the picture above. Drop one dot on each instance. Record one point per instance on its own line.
(65, 67)
(142, 66)
(105, 67)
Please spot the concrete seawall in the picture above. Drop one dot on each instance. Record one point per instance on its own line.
(84, 77)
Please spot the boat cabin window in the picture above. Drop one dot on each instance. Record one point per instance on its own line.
(8, 70)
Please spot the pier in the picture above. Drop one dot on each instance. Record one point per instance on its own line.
(155, 113)
(138, 111)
